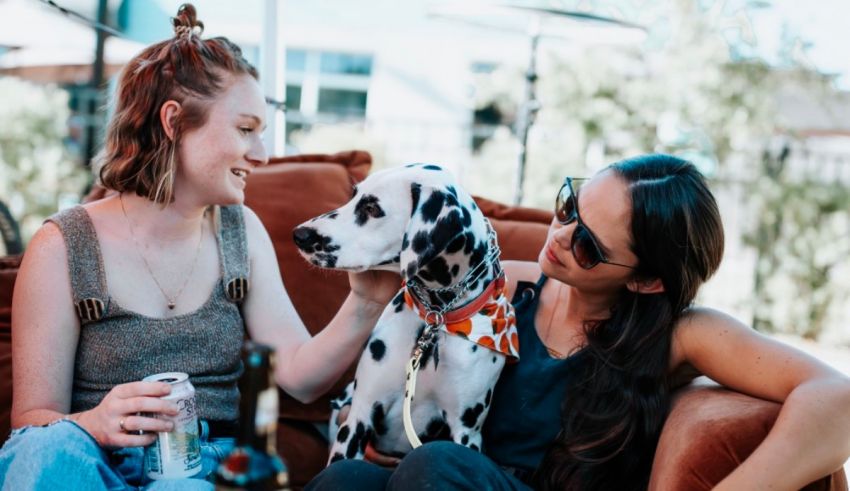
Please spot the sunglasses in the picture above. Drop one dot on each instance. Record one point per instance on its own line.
(584, 246)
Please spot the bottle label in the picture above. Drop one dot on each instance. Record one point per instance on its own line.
(266, 419)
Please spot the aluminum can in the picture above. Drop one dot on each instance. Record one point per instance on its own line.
(175, 454)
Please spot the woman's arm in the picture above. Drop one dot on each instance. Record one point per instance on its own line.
(811, 436)
(307, 367)
(45, 332)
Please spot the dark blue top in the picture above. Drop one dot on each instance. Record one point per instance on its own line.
(525, 415)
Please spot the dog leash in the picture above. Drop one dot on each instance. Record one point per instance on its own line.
(436, 318)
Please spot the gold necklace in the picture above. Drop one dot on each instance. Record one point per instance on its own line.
(172, 301)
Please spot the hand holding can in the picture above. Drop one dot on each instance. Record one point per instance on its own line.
(177, 453)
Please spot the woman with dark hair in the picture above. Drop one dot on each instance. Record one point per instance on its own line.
(607, 328)
(164, 275)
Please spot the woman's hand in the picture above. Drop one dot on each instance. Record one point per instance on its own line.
(371, 455)
(375, 286)
(116, 422)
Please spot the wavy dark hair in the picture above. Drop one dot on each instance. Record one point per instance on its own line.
(618, 397)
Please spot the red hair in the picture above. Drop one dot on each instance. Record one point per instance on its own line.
(138, 155)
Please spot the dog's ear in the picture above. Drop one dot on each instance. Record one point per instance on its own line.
(438, 224)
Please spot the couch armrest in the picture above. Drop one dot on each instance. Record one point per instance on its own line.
(709, 432)
(8, 271)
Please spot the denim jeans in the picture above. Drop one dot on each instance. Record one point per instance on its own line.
(433, 466)
(63, 456)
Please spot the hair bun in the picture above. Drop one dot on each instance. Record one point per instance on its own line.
(186, 22)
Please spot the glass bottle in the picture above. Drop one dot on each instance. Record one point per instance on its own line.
(254, 464)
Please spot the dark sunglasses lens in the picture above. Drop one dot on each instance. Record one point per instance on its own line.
(584, 249)
(565, 210)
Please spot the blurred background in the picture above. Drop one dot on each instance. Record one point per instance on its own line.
(512, 97)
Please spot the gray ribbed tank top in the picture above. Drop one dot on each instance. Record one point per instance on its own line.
(123, 346)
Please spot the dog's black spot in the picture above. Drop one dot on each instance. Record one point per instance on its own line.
(437, 429)
(432, 167)
(487, 397)
(420, 242)
(415, 192)
(494, 359)
(354, 385)
(455, 269)
(451, 190)
(365, 440)
(404, 242)
(464, 440)
(433, 206)
(337, 456)
(443, 412)
(446, 229)
(456, 244)
(474, 206)
(473, 447)
(379, 419)
(478, 255)
(353, 191)
(368, 207)
(467, 217)
(474, 348)
(398, 301)
(452, 202)
(356, 441)
(470, 242)
(377, 348)
(425, 275)
(471, 414)
(342, 434)
(331, 215)
(439, 271)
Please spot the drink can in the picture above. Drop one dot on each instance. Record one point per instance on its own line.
(177, 453)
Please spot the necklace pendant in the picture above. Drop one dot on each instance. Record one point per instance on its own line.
(171, 305)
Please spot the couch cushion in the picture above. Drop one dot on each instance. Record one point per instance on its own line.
(709, 432)
(284, 194)
(8, 271)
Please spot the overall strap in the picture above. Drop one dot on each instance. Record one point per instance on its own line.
(85, 263)
(234, 250)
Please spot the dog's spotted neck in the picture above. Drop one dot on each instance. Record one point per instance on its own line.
(483, 268)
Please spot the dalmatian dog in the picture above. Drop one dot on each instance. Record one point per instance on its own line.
(417, 221)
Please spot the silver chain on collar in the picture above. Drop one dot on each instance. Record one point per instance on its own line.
(435, 316)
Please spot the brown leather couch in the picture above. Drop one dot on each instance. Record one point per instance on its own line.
(710, 429)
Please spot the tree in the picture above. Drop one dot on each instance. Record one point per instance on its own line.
(36, 172)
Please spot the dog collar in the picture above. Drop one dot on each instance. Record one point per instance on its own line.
(499, 334)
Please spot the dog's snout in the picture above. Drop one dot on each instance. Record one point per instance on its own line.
(307, 239)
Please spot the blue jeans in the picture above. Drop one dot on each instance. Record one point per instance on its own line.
(433, 466)
(64, 456)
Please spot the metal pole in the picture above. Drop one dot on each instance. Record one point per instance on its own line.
(527, 113)
(92, 119)
(273, 69)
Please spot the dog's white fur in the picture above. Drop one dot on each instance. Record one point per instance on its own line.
(456, 380)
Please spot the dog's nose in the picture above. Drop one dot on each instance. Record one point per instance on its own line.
(306, 238)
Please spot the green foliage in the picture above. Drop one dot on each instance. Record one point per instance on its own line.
(686, 92)
(35, 169)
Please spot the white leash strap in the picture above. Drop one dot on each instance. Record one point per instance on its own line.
(409, 389)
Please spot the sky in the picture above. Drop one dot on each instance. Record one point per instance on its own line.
(821, 24)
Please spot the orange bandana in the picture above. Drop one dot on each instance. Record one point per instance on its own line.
(496, 330)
